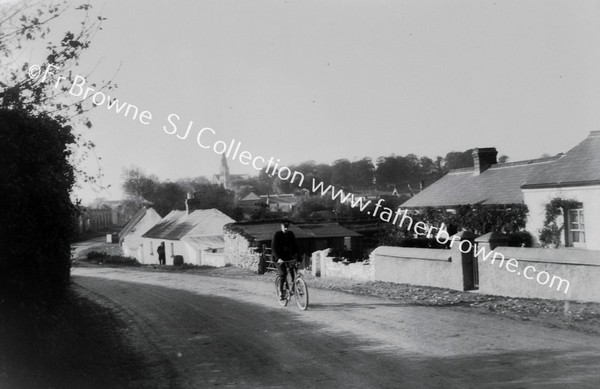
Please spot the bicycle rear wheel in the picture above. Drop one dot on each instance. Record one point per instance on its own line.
(301, 293)
(286, 290)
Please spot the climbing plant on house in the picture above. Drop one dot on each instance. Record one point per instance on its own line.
(552, 231)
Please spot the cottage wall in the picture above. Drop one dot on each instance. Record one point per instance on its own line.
(213, 259)
(172, 248)
(239, 252)
(535, 199)
(192, 255)
(133, 242)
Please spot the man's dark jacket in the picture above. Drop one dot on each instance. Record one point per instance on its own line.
(284, 245)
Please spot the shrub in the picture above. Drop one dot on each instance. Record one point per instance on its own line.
(100, 256)
(479, 219)
(120, 260)
(520, 239)
(36, 210)
(96, 255)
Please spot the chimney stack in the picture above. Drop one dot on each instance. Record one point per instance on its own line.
(190, 196)
(483, 158)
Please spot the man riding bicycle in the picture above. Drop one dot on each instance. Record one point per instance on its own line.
(284, 248)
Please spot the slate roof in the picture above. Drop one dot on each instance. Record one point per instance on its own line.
(500, 184)
(205, 242)
(262, 231)
(178, 224)
(579, 166)
(503, 183)
(132, 223)
(328, 230)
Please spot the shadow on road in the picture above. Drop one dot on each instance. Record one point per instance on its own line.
(68, 343)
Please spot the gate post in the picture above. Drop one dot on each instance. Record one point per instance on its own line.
(466, 255)
(488, 242)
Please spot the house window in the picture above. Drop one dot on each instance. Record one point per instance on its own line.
(172, 249)
(576, 228)
(151, 248)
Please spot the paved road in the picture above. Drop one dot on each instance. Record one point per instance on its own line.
(199, 331)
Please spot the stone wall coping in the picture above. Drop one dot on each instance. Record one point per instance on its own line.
(414, 253)
(566, 256)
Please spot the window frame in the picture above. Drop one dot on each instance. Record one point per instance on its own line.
(580, 227)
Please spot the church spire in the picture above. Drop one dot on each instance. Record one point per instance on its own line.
(224, 172)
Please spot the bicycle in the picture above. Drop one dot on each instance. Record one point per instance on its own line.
(298, 289)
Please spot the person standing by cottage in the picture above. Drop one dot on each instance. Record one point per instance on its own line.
(284, 248)
(161, 254)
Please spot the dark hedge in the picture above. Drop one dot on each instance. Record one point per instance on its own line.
(36, 215)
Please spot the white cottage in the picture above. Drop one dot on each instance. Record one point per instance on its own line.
(196, 236)
(130, 237)
(573, 176)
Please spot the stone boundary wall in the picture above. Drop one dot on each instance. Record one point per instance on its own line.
(574, 271)
(581, 268)
(426, 267)
(401, 265)
(238, 251)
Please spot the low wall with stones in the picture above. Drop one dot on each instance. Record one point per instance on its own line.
(239, 252)
(325, 266)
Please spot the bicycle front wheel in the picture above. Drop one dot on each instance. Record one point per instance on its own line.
(301, 293)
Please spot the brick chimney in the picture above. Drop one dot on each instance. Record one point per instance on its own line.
(190, 196)
(483, 158)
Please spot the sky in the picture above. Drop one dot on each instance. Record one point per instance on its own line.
(302, 80)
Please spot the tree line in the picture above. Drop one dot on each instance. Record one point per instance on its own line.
(387, 173)
(403, 173)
